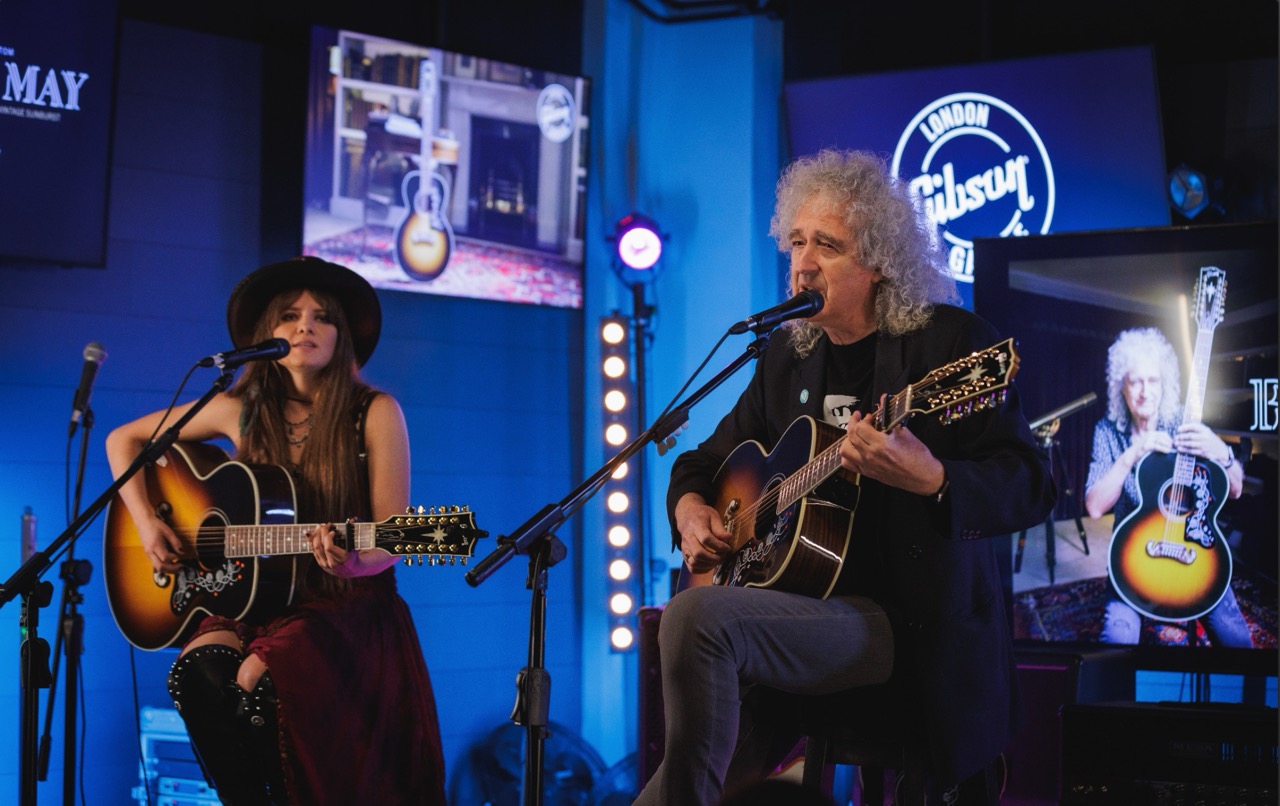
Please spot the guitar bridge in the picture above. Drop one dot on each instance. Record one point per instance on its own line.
(1171, 551)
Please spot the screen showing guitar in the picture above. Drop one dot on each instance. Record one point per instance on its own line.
(1168, 557)
(1141, 319)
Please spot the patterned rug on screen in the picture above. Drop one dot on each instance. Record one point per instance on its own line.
(477, 269)
(1072, 612)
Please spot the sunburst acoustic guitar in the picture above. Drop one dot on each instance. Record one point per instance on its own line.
(1167, 558)
(424, 239)
(241, 544)
(785, 531)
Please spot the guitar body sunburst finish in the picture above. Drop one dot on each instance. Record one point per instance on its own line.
(1167, 558)
(197, 487)
(799, 549)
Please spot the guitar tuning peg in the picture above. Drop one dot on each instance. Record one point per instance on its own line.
(408, 561)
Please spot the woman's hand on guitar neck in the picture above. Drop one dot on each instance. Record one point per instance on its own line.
(704, 542)
(342, 563)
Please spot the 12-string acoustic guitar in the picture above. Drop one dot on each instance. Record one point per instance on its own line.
(241, 544)
(786, 531)
(1168, 559)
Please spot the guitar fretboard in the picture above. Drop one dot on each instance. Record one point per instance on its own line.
(1210, 293)
(806, 479)
(288, 538)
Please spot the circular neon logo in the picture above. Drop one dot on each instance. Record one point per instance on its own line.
(979, 169)
(555, 113)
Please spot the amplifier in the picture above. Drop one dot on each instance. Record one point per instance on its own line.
(1049, 679)
(169, 772)
(652, 721)
(1168, 753)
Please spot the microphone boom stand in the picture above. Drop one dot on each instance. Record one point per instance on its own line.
(535, 538)
(69, 642)
(37, 593)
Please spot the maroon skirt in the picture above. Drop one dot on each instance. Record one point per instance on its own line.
(357, 715)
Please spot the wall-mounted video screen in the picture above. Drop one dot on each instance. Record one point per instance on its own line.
(441, 173)
(1009, 148)
(1130, 334)
(57, 91)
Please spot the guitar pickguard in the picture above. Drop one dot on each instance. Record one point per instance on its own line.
(1199, 527)
(752, 562)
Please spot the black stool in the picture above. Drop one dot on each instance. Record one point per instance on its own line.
(869, 728)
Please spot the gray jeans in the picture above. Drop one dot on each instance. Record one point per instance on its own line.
(718, 644)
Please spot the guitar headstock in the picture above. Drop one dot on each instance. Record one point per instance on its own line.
(441, 535)
(973, 383)
(1210, 298)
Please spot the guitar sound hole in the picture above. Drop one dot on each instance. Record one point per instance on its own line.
(1176, 500)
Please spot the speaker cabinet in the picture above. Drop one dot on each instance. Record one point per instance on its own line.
(1117, 754)
(1051, 679)
(652, 721)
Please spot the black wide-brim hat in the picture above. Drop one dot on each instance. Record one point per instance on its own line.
(359, 302)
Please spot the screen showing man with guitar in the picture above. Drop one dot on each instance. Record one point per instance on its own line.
(840, 513)
(292, 629)
(1165, 475)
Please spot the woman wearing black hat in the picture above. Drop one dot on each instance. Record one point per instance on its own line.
(328, 701)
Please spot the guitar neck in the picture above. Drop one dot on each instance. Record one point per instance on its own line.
(1193, 409)
(806, 479)
(824, 465)
(290, 538)
(972, 383)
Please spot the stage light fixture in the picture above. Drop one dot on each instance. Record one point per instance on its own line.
(1188, 191)
(618, 502)
(615, 400)
(615, 434)
(620, 604)
(613, 331)
(619, 536)
(614, 367)
(639, 241)
(622, 638)
(618, 399)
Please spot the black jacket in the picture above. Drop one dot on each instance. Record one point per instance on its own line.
(939, 574)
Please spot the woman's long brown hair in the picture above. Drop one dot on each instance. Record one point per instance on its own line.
(329, 464)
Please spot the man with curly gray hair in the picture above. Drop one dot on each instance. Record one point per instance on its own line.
(916, 605)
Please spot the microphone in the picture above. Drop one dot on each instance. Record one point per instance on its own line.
(269, 350)
(1063, 411)
(94, 355)
(801, 306)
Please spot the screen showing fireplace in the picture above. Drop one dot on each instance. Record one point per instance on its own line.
(441, 173)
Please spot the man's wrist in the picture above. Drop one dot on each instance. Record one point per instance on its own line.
(938, 494)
